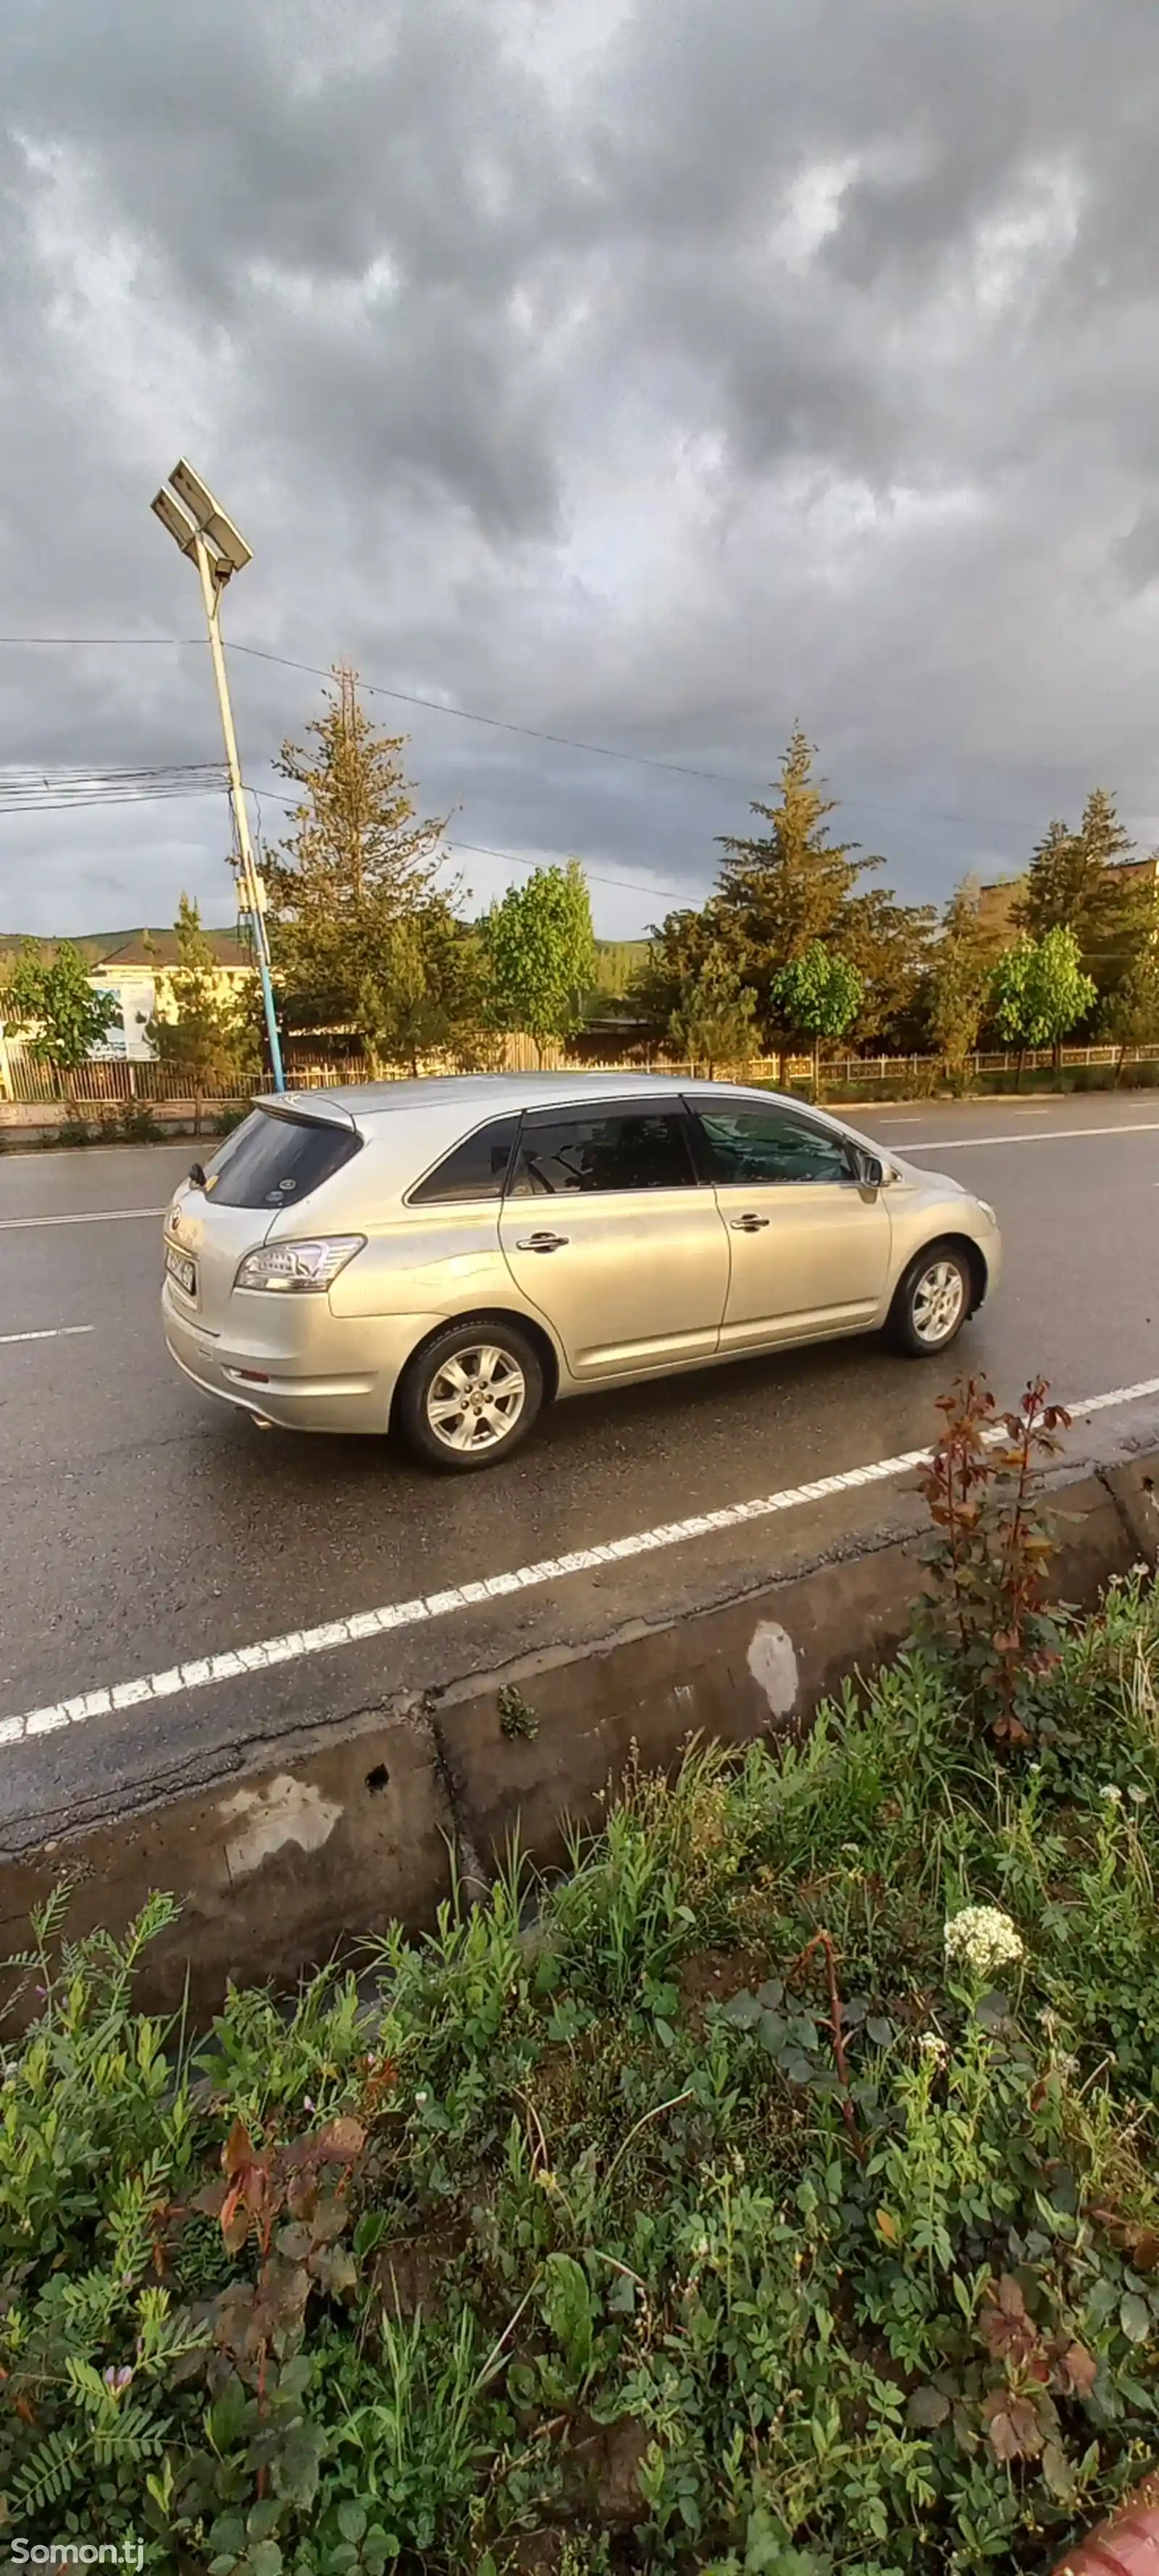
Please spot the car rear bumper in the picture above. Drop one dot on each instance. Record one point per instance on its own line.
(341, 1377)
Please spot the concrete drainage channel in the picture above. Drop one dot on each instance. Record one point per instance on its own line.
(275, 1870)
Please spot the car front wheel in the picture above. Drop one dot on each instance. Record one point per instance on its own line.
(470, 1397)
(932, 1302)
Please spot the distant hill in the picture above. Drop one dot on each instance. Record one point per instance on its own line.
(617, 961)
(126, 947)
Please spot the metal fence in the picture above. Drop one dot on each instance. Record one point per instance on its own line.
(116, 1082)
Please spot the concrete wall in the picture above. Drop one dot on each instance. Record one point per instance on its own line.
(277, 1868)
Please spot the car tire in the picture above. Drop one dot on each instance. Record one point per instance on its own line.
(933, 1301)
(497, 1372)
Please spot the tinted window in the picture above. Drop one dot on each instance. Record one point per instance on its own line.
(275, 1162)
(626, 1150)
(476, 1169)
(747, 1146)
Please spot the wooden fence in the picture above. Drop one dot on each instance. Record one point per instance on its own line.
(116, 1081)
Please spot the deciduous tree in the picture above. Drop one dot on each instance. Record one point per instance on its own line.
(540, 954)
(65, 1016)
(203, 1027)
(819, 997)
(1039, 991)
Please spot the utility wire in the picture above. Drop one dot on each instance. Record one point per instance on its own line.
(532, 733)
(514, 858)
(69, 786)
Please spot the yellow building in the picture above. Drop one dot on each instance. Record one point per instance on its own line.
(135, 968)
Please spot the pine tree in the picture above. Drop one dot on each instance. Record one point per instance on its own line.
(890, 944)
(962, 963)
(1075, 883)
(355, 867)
(1131, 1016)
(711, 1022)
(780, 892)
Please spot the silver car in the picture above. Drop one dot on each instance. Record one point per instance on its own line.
(442, 1258)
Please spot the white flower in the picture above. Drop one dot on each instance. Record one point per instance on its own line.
(421, 2100)
(1138, 1797)
(931, 2045)
(983, 1938)
(1112, 1794)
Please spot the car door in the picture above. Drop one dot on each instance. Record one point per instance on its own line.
(608, 1229)
(809, 1243)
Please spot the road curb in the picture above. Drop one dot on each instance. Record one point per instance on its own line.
(276, 1868)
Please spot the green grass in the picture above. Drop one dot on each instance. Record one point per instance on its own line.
(622, 2266)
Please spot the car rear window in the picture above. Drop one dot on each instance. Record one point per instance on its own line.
(274, 1162)
(475, 1169)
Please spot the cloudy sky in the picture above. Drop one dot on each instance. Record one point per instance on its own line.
(651, 372)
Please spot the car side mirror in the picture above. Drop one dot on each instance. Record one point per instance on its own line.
(870, 1172)
(197, 1176)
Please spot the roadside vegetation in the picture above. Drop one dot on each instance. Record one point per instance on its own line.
(775, 2191)
(799, 947)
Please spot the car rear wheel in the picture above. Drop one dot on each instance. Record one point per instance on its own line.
(932, 1302)
(470, 1397)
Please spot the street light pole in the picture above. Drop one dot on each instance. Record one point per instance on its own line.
(202, 530)
(211, 594)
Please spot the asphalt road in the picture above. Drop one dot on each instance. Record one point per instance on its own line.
(146, 1529)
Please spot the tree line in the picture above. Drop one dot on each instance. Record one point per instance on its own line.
(796, 947)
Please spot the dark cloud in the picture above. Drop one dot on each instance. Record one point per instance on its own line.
(658, 371)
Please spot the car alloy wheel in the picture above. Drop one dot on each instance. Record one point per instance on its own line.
(475, 1399)
(939, 1295)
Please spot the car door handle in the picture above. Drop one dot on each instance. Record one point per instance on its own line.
(750, 1224)
(541, 1242)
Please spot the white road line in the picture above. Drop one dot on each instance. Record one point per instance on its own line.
(92, 1216)
(1046, 1136)
(205, 1670)
(55, 1333)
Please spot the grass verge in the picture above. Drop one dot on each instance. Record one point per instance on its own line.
(712, 2208)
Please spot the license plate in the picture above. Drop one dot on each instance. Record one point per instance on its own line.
(181, 1268)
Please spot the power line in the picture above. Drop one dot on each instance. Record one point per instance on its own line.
(499, 724)
(531, 733)
(68, 786)
(512, 858)
(632, 885)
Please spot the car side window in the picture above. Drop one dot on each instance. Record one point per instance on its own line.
(746, 1147)
(476, 1168)
(626, 1149)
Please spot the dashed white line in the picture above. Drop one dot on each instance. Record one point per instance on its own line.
(299, 1643)
(50, 1333)
(1046, 1136)
(90, 1216)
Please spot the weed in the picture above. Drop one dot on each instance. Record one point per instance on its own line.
(991, 1551)
(516, 1716)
